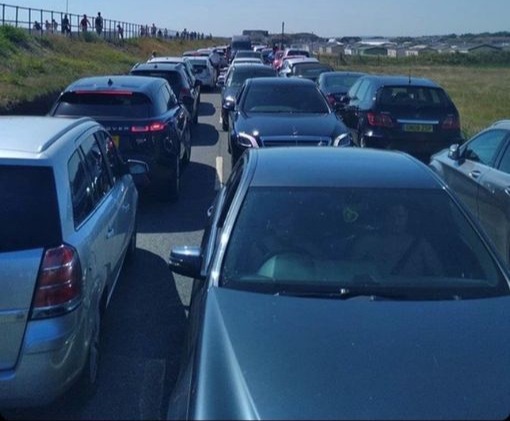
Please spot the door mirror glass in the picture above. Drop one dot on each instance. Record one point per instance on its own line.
(186, 261)
(454, 152)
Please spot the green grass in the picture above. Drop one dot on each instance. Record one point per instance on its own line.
(31, 66)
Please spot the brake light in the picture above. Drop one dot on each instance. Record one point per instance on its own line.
(59, 284)
(451, 122)
(380, 119)
(153, 127)
(104, 92)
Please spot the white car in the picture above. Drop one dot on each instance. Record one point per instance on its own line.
(204, 71)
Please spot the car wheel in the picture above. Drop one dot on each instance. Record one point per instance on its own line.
(187, 148)
(88, 380)
(175, 181)
(195, 117)
(131, 249)
(224, 123)
(362, 141)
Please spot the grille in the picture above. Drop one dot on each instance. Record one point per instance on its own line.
(295, 141)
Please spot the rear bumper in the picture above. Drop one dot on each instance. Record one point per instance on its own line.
(52, 357)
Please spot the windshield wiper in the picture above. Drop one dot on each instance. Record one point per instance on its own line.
(346, 293)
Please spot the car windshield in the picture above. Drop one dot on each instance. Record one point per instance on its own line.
(239, 76)
(340, 82)
(107, 104)
(310, 70)
(253, 54)
(413, 96)
(329, 239)
(284, 98)
(29, 215)
(173, 78)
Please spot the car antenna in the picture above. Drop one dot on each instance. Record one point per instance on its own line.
(110, 82)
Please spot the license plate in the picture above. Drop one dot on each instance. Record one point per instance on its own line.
(116, 140)
(422, 128)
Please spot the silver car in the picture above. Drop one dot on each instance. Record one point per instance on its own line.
(479, 172)
(68, 221)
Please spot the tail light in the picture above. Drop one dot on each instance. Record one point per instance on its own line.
(157, 126)
(380, 119)
(451, 122)
(59, 284)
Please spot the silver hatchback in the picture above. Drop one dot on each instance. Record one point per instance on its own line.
(67, 223)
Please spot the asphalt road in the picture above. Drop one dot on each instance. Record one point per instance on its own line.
(146, 320)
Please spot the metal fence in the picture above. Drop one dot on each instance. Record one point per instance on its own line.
(41, 21)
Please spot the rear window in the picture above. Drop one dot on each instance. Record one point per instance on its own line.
(413, 96)
(29, 215)
(239, 76)
(310, 70)
(298, 53)
(104, 104)
(173, 78)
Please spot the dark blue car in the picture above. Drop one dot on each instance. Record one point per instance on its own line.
(275, 111)
(324, 290)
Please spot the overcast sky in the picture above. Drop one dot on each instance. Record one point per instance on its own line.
(326, 18)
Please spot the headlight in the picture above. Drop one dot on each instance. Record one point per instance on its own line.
(345, 139)
(247, 141)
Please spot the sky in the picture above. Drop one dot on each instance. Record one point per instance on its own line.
(326, 18)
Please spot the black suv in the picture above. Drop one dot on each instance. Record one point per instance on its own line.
(144, 118)
(411, 114)
(175, 74)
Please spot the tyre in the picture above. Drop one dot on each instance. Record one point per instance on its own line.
(187, 149)
(88, 379)
(224, 123)
(195, 118)
(131, 249)
(175, 181)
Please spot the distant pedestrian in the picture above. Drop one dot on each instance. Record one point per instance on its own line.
(120, 31)
(154, 54)
(84, 23)
(99, 23)
(54, 25)
(153, 30)
(37, 26)
(165, 33)
(65, 26)
(47, 25)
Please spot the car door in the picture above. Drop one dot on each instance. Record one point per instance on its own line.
(124, 196)
(101, 225)
(477, 158)
(494, 201)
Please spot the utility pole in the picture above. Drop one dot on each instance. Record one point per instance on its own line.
(281, 41)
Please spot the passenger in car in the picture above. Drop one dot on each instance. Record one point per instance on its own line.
(395, 250)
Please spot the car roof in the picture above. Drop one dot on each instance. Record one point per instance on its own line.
(341, 73)
(397, 80)
(160, 66)
(339, 167)
(172, 59)
(116, 82)
(501, 124)
(32, 135)
(276, 80)
(250, 65)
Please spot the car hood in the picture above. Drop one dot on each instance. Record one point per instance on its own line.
(283, 124)
(275, 357)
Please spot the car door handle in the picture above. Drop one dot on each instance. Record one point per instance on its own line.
(109, 233)
(475, 174)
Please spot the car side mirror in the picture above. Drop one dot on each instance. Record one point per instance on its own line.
(186, 261)
(220, 83)
(344, 99)
(229, 106)
(198, 83)
(139, 170)
(454, 152)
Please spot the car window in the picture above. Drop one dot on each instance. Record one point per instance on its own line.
(81, 188)
(107, 104)
(504, 164)
(413, 96)
(273, 98)
(363, 90)
(238, 76)
(172, 77)
(341, 237)
(97, 167)
(29, 212)
(354, 89)
(113, 158)
(341, 82)
(484, 147)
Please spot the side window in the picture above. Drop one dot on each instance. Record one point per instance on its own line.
(172, 100)
(81, 188)
(485, 147)
(98, 168)
(363, 90)
(162, 100)
(504, 165)
(113, 159)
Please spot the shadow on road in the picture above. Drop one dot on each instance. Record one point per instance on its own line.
(205, 135)
(206, 109)
(189, 212)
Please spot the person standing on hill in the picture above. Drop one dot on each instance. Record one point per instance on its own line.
(66, 28)
(99, 23)
(84, 23)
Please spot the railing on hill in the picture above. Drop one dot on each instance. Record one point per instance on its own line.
(50, 21)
